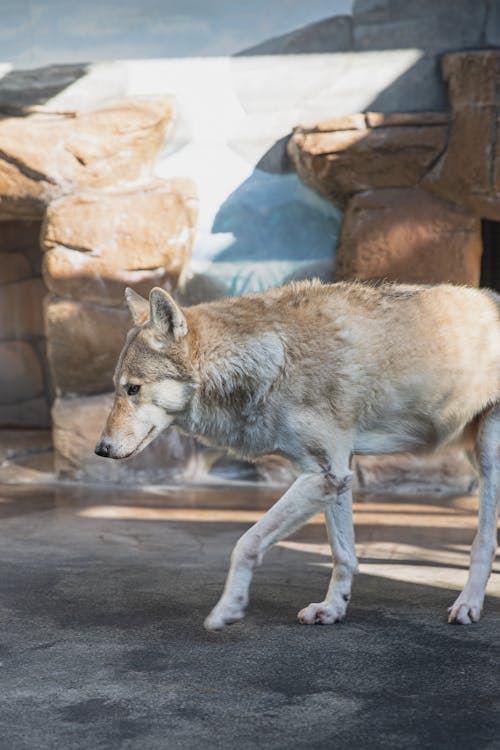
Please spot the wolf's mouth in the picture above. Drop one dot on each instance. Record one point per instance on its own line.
(141, 445)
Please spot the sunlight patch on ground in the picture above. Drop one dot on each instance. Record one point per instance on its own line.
(365, 514)
(444, 568)
(197, 515)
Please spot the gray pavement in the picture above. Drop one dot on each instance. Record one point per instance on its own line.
(103, 594)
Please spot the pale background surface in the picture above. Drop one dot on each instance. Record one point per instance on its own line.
(258, 223)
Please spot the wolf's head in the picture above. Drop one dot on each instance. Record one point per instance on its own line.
(153, 378)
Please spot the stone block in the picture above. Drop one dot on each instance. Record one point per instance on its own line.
(405, 119)
(83, 344)
(99, 243)
(410, 236)
(472, 78)
(46, 155)
(355, 121)
(464, 172)
(21, 309)
(21, 376)
(341, 163)
(77, 424)
(468, 172)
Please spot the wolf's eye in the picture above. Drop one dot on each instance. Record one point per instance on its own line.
(133, 389)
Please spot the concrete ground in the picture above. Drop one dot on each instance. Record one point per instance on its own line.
(103, 595)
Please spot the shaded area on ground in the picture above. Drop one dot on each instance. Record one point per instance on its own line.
(103, 594)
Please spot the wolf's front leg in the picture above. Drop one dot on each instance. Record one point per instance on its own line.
(307, 496)
(338, 516)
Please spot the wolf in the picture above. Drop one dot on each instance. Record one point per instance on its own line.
(319, 372)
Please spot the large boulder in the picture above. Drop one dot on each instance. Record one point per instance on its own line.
(469, 170)
(411, 236)
(46, 155)
(97, 243)
(77, 424)
(347, 155)
(83, 344)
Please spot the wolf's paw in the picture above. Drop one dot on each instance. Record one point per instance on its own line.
(223, 615)
(464, 613)
(322, 613)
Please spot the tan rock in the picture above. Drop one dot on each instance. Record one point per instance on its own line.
(14, 267)
(408, 235)
(77, 275)
(472, 78)
(83, 344)
(356, 121)
(21, 375)
(367, 120)
(77, 424)
(468, 172)
(341, 163)
(21, 309)
(404, 119)
(99, 243)
(465, 172)
(44, 156)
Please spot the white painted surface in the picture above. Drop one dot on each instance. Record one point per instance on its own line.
(258, 226)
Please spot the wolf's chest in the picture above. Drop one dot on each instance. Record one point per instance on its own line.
(248, 433)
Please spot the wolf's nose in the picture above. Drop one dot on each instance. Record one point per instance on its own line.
(103, 449)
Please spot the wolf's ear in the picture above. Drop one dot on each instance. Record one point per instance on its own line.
(138, 306)
(165, 314)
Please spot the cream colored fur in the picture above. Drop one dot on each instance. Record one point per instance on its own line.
(319, 372)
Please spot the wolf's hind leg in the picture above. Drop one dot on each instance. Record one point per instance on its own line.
(338, 516)
(307, 496)
(467, 608)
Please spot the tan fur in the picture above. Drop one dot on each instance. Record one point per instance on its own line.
(315, 372)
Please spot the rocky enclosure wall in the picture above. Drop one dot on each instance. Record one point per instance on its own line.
(81, 218)
(25, 388)
(414, 186)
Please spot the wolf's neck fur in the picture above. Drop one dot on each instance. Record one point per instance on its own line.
(235, 379)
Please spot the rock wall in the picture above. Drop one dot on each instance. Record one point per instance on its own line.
(47, 154)
(81, 218)
(414, 186)
(25, 387)
(468, 172)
